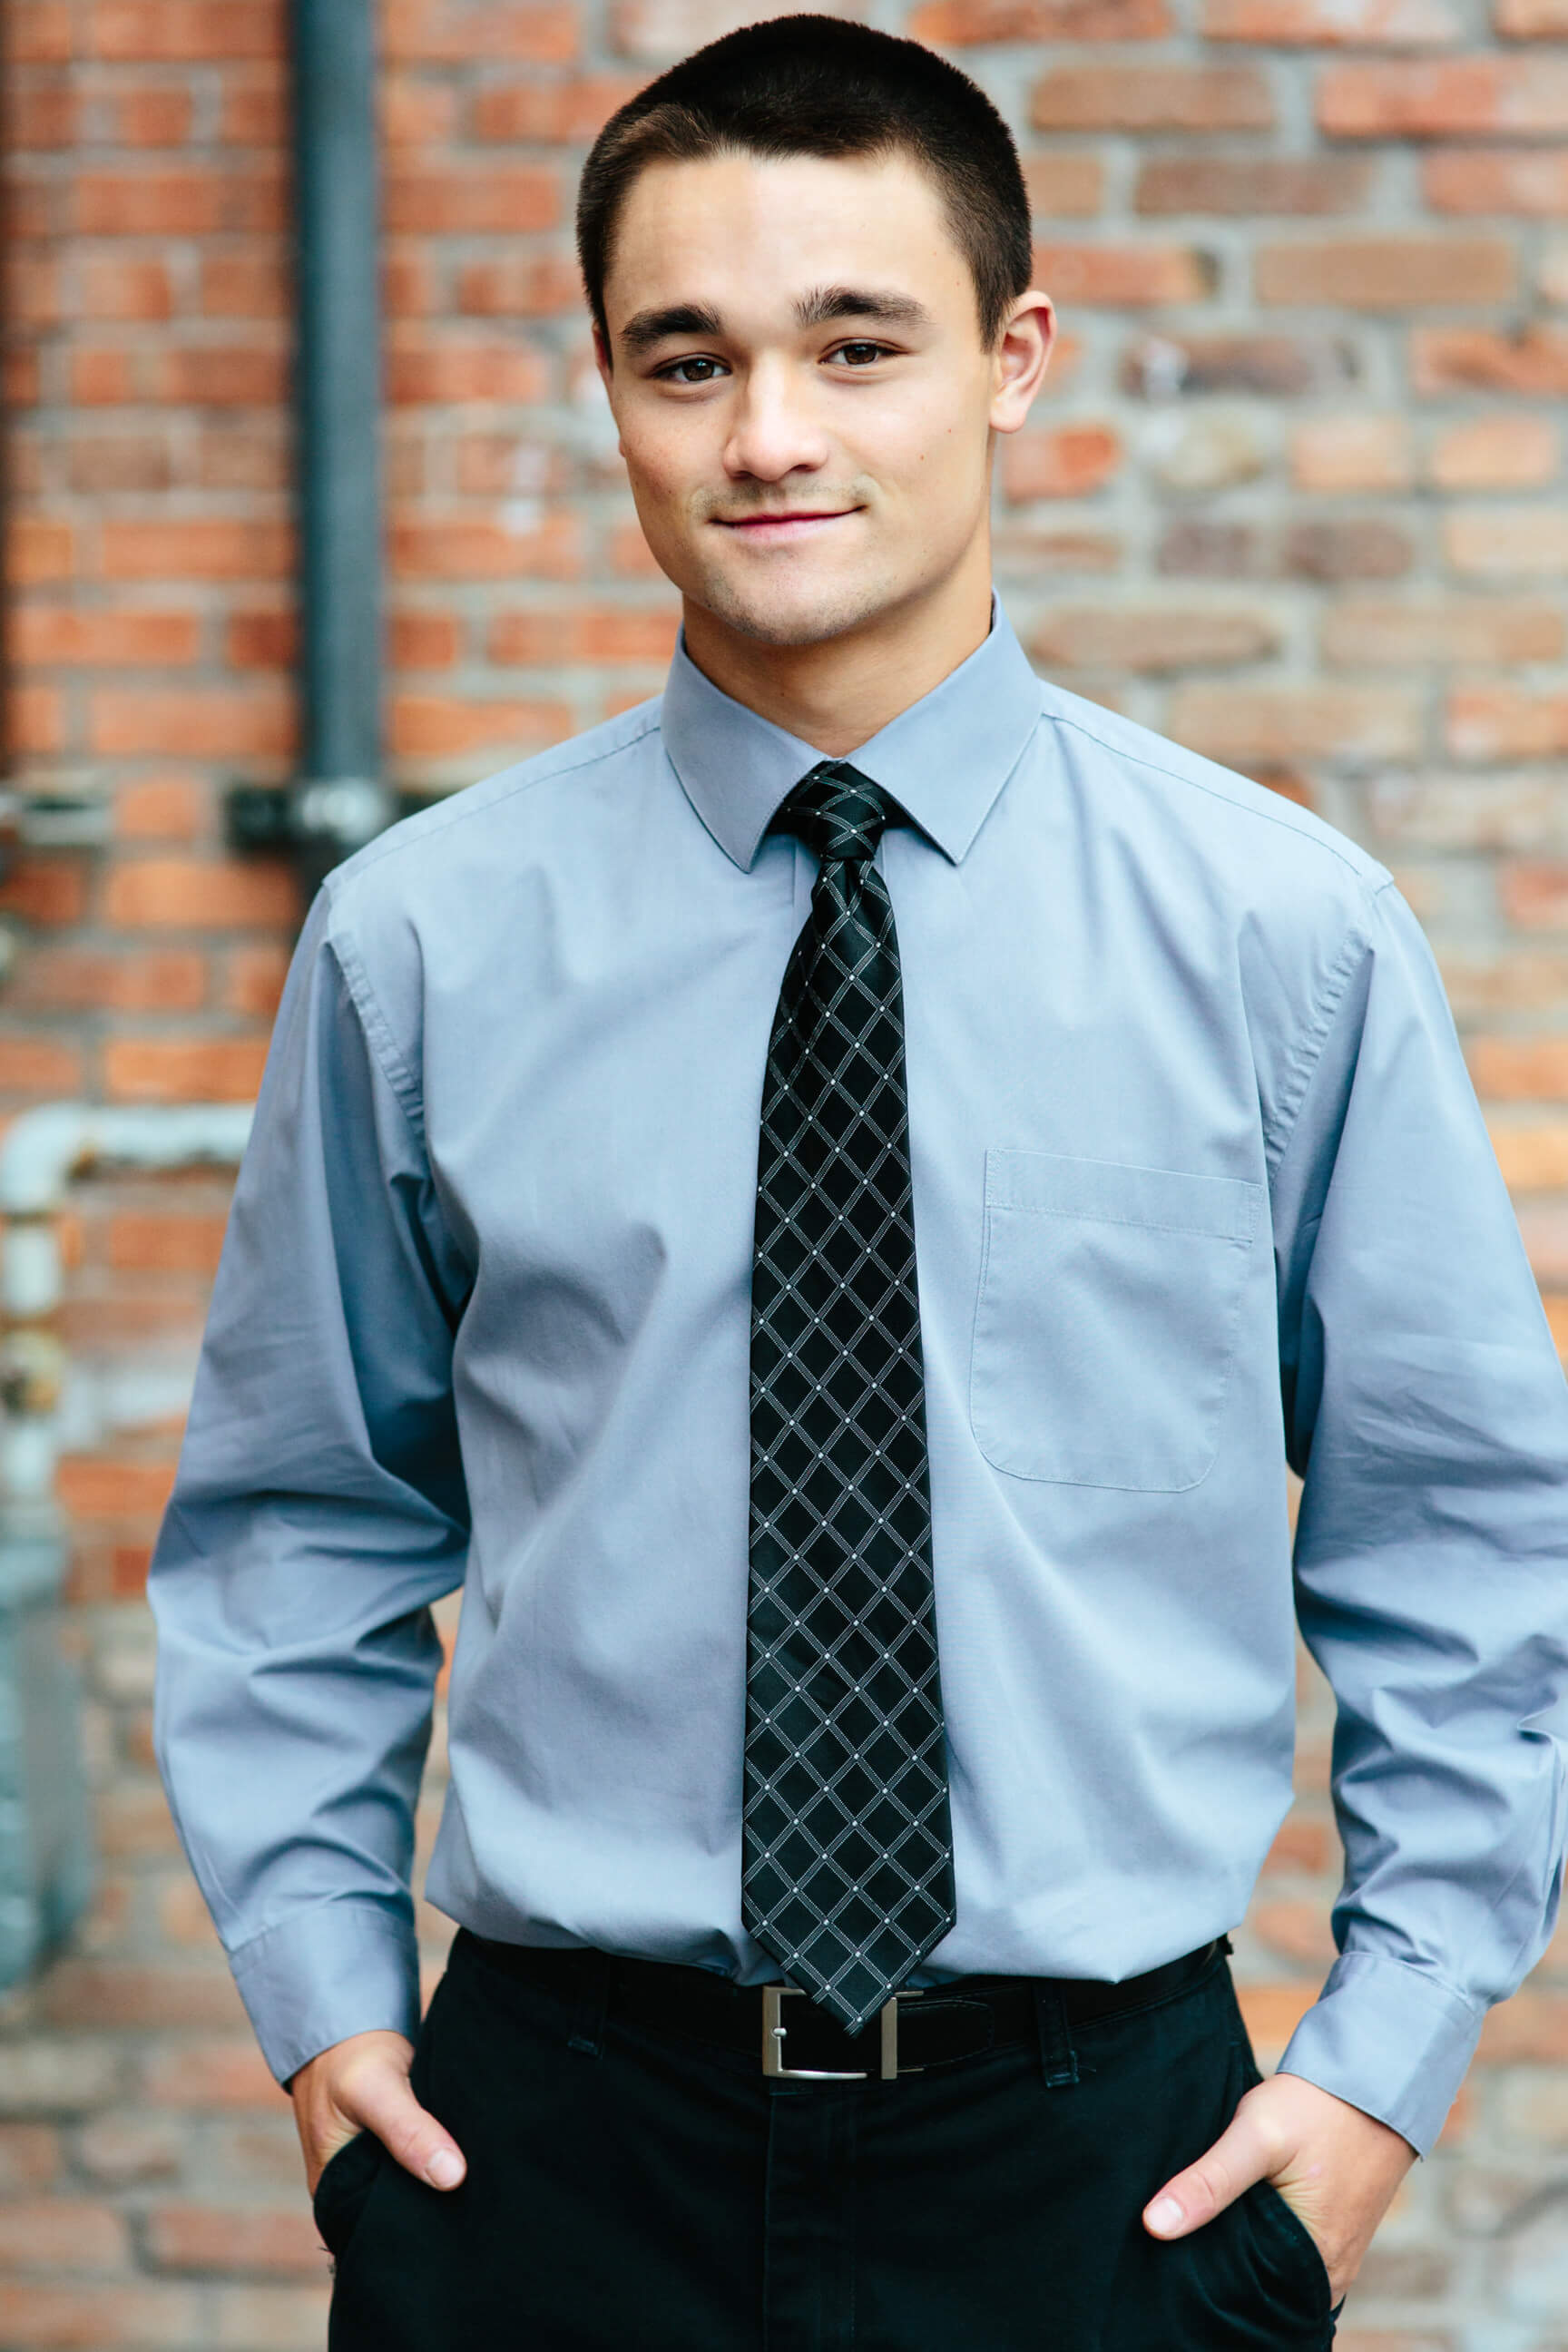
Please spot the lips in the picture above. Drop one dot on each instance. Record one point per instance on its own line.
(787, 521)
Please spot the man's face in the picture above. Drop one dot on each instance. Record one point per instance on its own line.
(804, 400)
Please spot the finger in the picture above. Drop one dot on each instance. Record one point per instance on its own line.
(1237, 2160)
(385, 2106)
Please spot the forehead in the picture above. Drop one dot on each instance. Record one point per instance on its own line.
(757, 232)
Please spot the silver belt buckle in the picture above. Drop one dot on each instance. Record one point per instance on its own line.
(774, 2031)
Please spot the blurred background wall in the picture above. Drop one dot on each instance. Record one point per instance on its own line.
(1295, 496)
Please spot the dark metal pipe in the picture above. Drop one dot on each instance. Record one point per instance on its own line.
(338, 800)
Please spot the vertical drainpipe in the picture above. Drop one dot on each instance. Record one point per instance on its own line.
(338, 800)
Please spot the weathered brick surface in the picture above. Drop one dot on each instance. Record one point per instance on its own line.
(1295, 493)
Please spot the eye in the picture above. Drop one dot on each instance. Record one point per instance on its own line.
(861, 355)
(697, 370)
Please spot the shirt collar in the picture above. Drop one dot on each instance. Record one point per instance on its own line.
(944, 759)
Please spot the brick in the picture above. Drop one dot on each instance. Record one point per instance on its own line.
(1069, 461)
(120, 2149)
(1449, 97)
(119, 461)
(38, 548)
(1535, 1158)
(1289, 722)
(1167, 97)
(1518, 1069)
(457, 544)
(200, 547)
(193, 722)
(557, 112)
(40, 31)
(1496, 180)
(1280, 366)
(1335, 24)
(183, 1069)
(95, 1487)
(1299, 1844)
(49, 2318)
(101, 377)
(425, 640)
(444, 371)
(1028, 549)
(147, 202)
(40, 118)
(229, 2074)
(1387, 273)
(255, 107)
(1337, 453)
(1531, 2028)
(506, 199)
(593, 633)
(1272, 2012)
(1535, 898)
(1502, 543)
(144, 1242)
(1064, 186)
(30, 2156)
(108, 1994)
(1123, 277)
(517, 284)
(1496, 452)
(197, 895)
(45, 2077)
(1118, 637)
(246, 284)
(59, 2233)
(224, 2240)
(262, 639)
(32, 289)
(145, 31)
(44, 889)
(1355, 548)
(36, 717)
(1356, 634)
(1297, 1931)
(221, 375)
(1249, 185)
(431, 726)
(254, 980)
(153, 118)
(445, 32)
(45, 635)
(1530, 20)
(158, 808)
(1475, 359)
(79, 980)
(955, 23)
(38, 1065)
(1491, 723)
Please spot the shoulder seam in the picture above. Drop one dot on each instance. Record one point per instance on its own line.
(1263, 816)
(456, 816)
(1351, 956)
(377, 1031)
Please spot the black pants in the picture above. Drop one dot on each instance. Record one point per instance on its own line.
(630, 2191)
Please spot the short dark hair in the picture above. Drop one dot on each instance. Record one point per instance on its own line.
(817, 86)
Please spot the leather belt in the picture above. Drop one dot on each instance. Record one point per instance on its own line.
(939, 2025)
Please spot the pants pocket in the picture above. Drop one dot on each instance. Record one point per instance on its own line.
(344, 2189)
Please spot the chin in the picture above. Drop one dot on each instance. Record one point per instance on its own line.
(802, 618)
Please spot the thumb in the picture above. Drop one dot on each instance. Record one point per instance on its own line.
(1237, 2160)
(384, 2103)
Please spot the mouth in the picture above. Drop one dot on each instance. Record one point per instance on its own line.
(785, 527)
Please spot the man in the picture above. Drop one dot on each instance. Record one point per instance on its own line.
(873, 1693)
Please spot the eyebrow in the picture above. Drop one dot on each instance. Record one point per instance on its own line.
(817, 309)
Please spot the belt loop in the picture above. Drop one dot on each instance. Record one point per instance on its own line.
(588, 2008)
(1058, 2057)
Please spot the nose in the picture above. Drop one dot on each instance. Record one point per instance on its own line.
(773, 429)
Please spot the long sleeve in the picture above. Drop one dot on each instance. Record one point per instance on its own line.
(318, 1510)
(1428, 1415)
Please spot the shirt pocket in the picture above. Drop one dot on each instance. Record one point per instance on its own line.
(1106, 1327)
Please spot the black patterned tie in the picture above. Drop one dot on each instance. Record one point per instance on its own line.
(847, 1876)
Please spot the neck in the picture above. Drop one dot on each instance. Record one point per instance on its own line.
(838, 694)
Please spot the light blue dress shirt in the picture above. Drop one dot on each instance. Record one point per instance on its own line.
(1201, 1190)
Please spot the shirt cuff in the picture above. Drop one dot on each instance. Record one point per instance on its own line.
(337, 1969)
(1390, 2039)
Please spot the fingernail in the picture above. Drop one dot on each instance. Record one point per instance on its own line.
(444, 2170)
(1164, 2215)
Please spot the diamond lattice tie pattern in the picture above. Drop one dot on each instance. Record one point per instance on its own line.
(847, 1863)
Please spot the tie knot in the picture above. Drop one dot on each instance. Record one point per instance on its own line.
(838, 813)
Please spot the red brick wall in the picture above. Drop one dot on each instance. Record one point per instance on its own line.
(1296, 495)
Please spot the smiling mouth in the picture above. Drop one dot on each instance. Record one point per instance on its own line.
(794, 519)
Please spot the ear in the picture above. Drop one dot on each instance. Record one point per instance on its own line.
(1023, 355)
